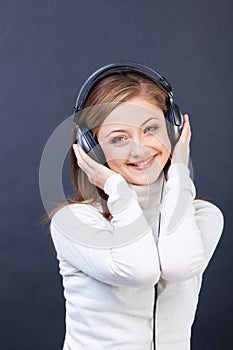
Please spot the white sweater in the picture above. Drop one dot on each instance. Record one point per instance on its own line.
(109, 269)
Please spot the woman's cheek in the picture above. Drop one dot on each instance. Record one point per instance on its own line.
(113, 153)
(165, 144)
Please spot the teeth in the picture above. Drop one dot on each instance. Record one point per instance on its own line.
(144, 163)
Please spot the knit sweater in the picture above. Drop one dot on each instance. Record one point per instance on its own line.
(109, 269)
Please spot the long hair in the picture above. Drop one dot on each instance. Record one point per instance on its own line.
(104, 96)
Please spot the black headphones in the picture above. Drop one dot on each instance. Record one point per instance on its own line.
(84, 136)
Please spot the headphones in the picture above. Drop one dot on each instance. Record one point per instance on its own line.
(84, 136)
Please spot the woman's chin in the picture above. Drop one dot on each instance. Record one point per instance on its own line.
(144, 178)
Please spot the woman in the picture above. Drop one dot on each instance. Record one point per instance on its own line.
(133, 252)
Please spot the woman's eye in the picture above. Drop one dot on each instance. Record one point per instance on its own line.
(151, 128)
(118, 139)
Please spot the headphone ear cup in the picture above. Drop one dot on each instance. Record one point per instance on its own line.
(170, 126)
(174, 123)
(178, 121)
(90, 144)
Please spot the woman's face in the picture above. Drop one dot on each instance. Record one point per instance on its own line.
(135, 142)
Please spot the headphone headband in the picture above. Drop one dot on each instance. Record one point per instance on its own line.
(119, 67)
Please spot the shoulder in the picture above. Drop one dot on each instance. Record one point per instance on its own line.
(205, 204)
(78, 211)
(208, 209)
(78, 222)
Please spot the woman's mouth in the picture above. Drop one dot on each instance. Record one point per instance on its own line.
(143, 164)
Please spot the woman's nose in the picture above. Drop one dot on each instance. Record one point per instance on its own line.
(138, 149)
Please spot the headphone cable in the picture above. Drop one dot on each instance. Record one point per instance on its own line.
(155, 286)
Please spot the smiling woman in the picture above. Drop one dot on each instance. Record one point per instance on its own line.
(134, 242)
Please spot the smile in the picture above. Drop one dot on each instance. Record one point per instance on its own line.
(143, 165)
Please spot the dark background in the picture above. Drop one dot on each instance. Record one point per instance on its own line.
(47, 50)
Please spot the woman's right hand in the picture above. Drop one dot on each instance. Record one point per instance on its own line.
(96, 172)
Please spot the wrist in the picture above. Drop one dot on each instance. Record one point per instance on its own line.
(111, 184)
(178, 177)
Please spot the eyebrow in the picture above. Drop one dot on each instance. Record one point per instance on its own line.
(122, 130)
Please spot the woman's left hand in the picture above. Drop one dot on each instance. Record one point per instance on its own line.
(96, 172)
(182, 148)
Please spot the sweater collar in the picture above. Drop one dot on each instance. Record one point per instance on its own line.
(149, 196)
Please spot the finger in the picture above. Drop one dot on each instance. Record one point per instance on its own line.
(80, 157)
(186, 120)
(80, 154)
(85, 162)
(76, 151)
(88, 160)
(186, 132)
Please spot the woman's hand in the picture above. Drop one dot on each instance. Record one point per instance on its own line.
(182, 148)
(96, 172)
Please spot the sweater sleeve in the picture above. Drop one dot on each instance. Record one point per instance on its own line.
(120, 253)
(190, 229)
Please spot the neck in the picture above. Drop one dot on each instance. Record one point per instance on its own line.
(149, 196)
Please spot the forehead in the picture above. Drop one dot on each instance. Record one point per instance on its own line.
(134, 113)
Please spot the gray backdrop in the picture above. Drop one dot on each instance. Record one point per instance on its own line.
(48, 48)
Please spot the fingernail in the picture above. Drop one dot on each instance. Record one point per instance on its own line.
(75, 148)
